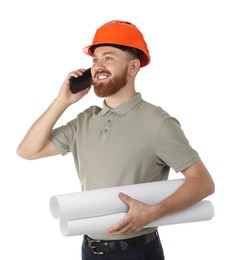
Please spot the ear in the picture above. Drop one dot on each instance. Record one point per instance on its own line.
(134, 67)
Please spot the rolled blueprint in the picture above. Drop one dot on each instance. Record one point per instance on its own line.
(200, 211)
(102, 202)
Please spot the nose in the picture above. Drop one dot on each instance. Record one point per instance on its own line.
(97, 67)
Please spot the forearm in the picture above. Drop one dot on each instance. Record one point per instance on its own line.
(184, 197)
(36, 142)
(38, 135)
(198, 185)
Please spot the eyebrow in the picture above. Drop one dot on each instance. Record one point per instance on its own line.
(105, 53)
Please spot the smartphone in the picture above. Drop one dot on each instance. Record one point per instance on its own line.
(82, 82)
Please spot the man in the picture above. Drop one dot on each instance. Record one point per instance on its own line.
(127, 141)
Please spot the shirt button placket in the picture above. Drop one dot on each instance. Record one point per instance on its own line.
(107, 126)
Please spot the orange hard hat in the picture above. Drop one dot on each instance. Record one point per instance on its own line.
(122, 33)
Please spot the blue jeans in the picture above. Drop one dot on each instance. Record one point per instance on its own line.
(150, 251)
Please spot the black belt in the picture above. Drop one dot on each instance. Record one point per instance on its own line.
(111, 246)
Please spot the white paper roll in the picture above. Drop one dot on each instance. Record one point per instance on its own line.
(105, 201)
(200, 211)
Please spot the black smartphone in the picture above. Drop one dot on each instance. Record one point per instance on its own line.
(81, 82)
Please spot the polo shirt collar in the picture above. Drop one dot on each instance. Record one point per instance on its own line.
(124, 108)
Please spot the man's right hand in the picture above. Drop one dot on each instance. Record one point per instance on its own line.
(65, 93)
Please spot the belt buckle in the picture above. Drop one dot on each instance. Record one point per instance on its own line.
(93, 247)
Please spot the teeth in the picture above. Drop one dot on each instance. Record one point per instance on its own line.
(102, 77)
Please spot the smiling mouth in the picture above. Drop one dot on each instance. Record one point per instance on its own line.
(101, 77)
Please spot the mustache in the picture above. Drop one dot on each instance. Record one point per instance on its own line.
(101, 72)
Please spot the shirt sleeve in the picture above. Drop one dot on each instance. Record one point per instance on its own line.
(172, 148)
(63, 137)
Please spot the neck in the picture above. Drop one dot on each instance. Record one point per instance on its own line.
(119, 98)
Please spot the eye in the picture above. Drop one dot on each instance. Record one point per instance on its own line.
(94, 60)
(108, 58)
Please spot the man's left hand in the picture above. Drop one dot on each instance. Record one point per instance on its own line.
(139, 215)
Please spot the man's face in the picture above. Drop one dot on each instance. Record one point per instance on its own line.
(109, 70)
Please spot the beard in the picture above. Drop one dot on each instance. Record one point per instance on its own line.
(103, 89)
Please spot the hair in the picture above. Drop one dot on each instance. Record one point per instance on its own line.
(133, 53)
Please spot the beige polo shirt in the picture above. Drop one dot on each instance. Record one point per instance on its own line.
(137, 142)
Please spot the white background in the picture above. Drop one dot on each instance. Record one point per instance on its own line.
(189, 76)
